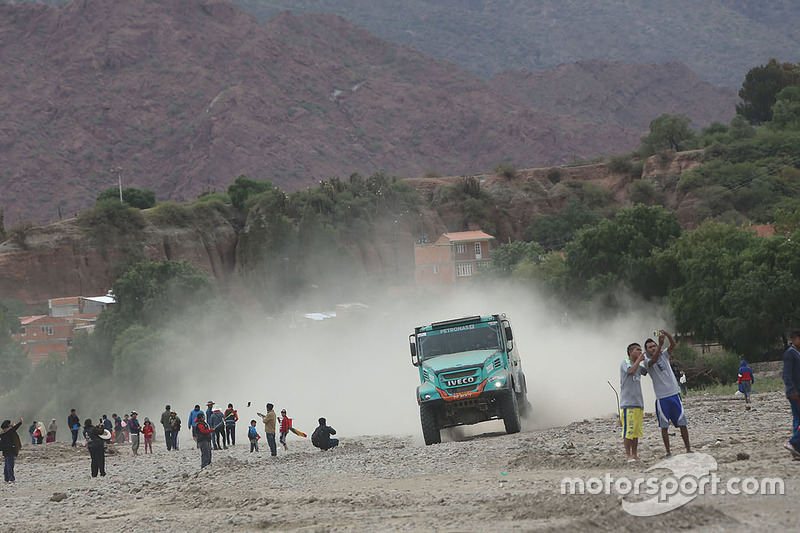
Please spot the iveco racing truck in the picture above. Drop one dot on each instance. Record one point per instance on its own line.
(469, 371)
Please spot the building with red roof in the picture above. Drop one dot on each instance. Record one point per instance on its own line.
(454, 258)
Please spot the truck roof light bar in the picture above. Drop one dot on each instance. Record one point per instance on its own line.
(465, 320)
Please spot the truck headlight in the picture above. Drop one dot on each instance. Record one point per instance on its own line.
(427, 396)
(498, 384)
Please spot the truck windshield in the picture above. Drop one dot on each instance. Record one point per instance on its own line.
(459, 339)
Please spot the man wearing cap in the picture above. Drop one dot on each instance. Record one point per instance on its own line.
(135, 427)
(209, 410)
(167, 426)
(270, 420)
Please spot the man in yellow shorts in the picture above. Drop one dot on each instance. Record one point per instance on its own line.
(631, 403)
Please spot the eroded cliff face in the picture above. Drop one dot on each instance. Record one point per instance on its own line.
(59, 260)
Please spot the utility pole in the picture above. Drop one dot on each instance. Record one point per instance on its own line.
(119, 170)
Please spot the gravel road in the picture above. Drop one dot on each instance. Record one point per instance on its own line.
(481, 482)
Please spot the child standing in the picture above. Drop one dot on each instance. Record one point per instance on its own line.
(252, 434)
(148, 431)
(286, 423)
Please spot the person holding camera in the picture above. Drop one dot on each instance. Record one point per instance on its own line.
(669, 408)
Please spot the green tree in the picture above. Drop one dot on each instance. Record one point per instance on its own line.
(669, 132)
(152, 292)
(700, 267)
(618, 252)
(243, 187)
(138, 198)
(786, 111)
(506, 256)
(761, 87)
(555, 231)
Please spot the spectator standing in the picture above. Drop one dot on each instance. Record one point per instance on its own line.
(203, 439)
(10, 446)
(286, 424)
(119, 433)
(217, 423)
(192, 419)
(746, 380)
(31, 431)
(253, 436)
(167, 425)
(149, 432)
(135, 429)
(51, 431)
(126, 427)
(40, 433)
(175, 423)
(631, 403)
(669, 408)
(231, 417)
(98, 435)
(74, 424)
(107, 424)
(678, 373)
(791, 379)
(270, 420)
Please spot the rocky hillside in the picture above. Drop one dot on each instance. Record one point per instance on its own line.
(720, 39)
(184, 95)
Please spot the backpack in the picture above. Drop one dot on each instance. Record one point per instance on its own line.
(317, 437)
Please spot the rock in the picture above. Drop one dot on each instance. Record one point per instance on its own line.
(58, 497)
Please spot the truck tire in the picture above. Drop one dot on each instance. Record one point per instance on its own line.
(429, 430)
(509, 407)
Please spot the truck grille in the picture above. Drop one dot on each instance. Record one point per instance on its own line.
(456, 375)
(462, 380)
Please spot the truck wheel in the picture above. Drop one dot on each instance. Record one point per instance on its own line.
(510, 410)
(429, 430)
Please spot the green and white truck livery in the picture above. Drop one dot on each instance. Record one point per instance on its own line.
(470, 372)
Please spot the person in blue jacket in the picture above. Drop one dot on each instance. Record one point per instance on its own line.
(791, 378)
(193, 419)
(746, 380)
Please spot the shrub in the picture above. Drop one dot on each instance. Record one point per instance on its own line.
(620, 164)
(18, 232)
(170, 214)
(554, 175)
(642, 192)
(507, 170)
(109, 222)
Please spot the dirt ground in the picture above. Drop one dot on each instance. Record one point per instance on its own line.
(487, 481)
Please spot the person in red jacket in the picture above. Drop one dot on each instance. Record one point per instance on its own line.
(746, 380)
(148, 431)
(286, 423)
(203, 439)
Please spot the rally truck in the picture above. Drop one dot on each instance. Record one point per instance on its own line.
(469, 372)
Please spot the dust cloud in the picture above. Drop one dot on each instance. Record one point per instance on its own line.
(355, 369)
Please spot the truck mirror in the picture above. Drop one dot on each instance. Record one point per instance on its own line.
(413, 347)
(509, 335)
